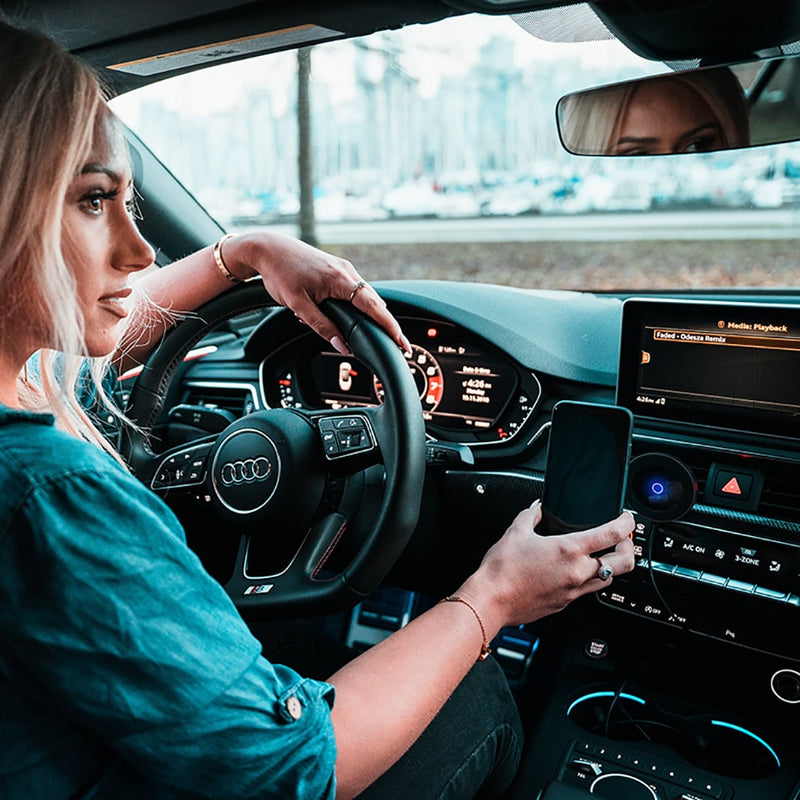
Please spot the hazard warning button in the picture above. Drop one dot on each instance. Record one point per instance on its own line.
(733, 485)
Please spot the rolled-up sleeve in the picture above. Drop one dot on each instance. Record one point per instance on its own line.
(108, 617)
(248, 745)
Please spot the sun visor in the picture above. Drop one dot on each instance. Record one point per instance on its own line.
(225, 50)
(713, 31)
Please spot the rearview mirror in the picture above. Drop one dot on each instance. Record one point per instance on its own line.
(694, 111)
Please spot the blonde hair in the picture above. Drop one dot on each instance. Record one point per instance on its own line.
(49, 102)
(590, 122)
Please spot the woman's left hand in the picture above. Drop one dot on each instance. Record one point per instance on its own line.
(300, 277)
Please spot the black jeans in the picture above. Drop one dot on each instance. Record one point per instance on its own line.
(470, 750)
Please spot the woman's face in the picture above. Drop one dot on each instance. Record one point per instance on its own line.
(101, 243)
(666, 116)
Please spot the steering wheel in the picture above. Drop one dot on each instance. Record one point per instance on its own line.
(268, 475)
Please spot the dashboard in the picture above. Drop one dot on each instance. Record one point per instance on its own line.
(715, 471)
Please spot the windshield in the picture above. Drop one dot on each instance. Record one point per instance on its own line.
(432, 152)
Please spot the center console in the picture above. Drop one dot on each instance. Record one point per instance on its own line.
(715, 388)
(646, 712)
(684, 678)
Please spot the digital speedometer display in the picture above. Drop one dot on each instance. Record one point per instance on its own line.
(462, 386)
(427, 376)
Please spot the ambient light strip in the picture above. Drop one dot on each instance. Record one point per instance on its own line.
(245, 46)
(595, 695)
(746, 732)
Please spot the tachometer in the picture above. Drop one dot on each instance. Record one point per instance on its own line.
(427, 375)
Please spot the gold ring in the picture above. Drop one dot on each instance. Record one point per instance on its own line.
(360, 285)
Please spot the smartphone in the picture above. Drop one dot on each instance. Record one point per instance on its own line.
(587, 466)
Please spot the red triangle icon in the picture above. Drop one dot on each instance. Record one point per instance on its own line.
(732, 487)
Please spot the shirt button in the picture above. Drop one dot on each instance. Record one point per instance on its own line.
(294, 707)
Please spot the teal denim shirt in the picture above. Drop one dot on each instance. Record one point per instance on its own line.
(125, 670)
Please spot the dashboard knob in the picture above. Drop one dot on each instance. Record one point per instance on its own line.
(785, 685)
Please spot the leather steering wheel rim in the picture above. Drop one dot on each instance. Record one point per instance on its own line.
(399, 435)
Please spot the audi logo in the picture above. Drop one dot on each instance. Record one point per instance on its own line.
(250, 470)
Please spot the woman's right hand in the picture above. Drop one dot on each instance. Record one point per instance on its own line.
(386, 696)
(525, 576)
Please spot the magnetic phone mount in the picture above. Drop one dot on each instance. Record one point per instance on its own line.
(660, 487)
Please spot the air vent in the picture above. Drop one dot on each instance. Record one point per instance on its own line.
(238, 399)
(700, 469)
(780, 497)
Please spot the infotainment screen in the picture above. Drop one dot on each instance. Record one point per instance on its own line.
(722, 364)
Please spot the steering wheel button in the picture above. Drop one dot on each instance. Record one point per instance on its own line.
(329, 443)
(350, 440)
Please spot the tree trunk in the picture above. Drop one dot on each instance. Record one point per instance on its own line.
(305, 165)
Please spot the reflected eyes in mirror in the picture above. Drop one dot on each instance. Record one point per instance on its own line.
(703, 139)
(697, 111)
(703, 144)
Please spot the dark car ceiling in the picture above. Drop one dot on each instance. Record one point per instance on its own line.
(111, 33)
(153, 39)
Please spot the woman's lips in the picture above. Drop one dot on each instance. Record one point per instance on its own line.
(116, 302)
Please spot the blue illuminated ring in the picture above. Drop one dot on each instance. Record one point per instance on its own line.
(595, 695)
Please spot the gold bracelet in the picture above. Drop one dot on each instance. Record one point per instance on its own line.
(220, 263)
(485, 649)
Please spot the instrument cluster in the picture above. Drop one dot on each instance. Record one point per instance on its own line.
(469, 391)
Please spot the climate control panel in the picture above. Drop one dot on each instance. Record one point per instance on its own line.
(700, 576)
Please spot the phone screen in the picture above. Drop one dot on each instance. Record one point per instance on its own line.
(587, 466)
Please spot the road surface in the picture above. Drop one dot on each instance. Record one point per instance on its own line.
(668, 225)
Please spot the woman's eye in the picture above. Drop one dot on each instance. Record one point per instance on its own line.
(703, 144)
(93, 201)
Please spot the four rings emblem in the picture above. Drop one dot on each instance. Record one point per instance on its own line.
(248, 470)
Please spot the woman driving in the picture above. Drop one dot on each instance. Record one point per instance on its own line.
(125, 670)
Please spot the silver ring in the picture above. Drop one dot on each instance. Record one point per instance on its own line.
(356, 289)
(604, 571)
